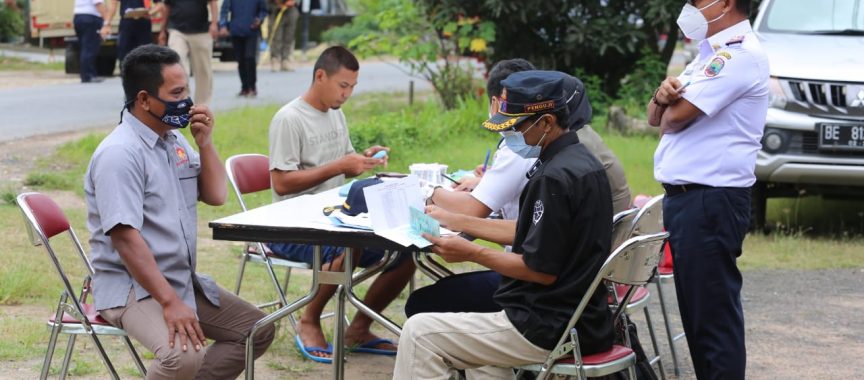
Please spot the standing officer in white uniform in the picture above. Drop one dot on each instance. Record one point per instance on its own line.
(711, 119)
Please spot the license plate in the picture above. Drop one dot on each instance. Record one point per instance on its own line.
(841, 137)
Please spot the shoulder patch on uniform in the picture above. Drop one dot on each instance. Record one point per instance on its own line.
(724, 54)
(735, 40)
(715, 66)
(538, 211)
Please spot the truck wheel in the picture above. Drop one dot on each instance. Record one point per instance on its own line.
(72, 63)
(105, 65)
(758, 207)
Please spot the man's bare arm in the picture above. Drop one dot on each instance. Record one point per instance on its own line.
(461, 202)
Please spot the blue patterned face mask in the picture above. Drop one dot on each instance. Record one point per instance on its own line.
(515, 140)
(176, 113)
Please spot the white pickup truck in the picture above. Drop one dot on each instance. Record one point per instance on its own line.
(814, 133)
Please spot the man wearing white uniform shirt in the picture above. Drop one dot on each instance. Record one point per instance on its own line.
(711, 119)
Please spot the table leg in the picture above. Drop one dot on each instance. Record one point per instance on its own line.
(283, 312)
(339, 334)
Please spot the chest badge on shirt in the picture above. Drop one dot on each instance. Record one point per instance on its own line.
(715, 66)
(538, 211)
(182, 157)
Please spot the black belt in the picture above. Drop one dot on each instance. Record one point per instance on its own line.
(673, 190)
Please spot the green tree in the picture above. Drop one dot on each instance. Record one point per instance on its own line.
(605, 38)
(437, 42)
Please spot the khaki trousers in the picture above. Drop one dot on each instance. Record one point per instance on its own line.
(486, 345)
(196, 54)
(227, 326)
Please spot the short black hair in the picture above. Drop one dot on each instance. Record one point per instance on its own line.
(142, 70)
(502, 70)
(334, 58)
(743, 7)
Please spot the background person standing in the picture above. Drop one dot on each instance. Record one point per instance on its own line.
(711, 119)
(88, 19)
(241, 19)
(186, 30)
(135, 28)
(283, 24)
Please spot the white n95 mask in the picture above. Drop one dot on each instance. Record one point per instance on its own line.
(693, 23)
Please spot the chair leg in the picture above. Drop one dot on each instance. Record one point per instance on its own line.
(668, 325)
(243, 261)
(67, 358)
(135, 357)
(631, 372)
(654, 343)
(291, 318)
(52, 340)
(49, 353)
(104, 355)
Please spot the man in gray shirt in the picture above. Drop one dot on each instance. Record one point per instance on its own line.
(310, 152)
(142, 188)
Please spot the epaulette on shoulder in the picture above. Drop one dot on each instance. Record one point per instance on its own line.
(735, 40)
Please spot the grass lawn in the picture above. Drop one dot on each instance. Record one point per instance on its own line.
(422, 133)
(21, 64)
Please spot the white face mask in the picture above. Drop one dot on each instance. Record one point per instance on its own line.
(693, 23)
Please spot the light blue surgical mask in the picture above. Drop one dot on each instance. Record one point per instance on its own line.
(515, 140)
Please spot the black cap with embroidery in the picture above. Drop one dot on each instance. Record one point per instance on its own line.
(529, 93)
(355, 202)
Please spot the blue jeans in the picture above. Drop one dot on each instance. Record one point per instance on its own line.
(706, 232)
(303, 253)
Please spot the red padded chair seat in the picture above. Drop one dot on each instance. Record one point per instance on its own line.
(615, 353)
(638, 295)
(665, 271)
(89, 311)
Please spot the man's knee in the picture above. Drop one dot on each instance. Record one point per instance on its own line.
(180, 364)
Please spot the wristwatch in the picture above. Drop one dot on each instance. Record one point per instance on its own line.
(428, 193)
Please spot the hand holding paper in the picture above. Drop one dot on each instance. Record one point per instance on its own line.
(454, 249)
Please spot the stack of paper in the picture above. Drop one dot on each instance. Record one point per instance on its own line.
(396, 209)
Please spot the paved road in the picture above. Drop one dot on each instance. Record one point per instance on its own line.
(57, 108)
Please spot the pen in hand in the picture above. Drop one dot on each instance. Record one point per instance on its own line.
(486, 160)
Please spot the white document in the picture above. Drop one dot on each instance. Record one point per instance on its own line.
(360, 222)
(390, 204)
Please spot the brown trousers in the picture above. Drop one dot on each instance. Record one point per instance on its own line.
(226, 325)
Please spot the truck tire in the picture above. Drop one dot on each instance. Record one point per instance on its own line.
(758, 207)
(105, 65)
(72, 63)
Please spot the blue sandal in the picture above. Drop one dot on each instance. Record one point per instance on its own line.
(369, 347)
(308, 350)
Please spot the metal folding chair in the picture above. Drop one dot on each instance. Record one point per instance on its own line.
(250, 173)
(648, 220)
(73, 315)
(666, 275)
(632, 264)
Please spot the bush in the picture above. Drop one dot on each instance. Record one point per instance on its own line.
(11, 23)
(436, 41)
(422, 125)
